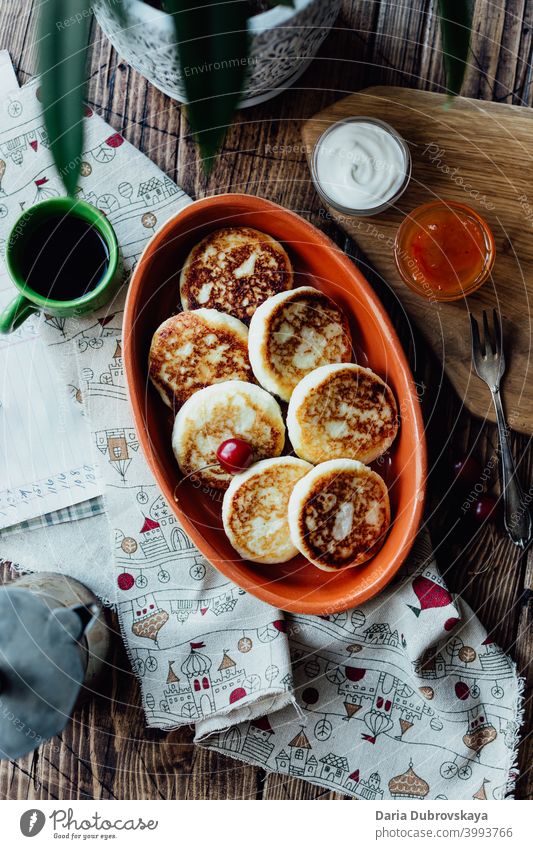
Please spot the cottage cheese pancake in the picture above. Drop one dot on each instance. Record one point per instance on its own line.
(293, 333)
(342, 410)
(195, 349)
(217, 413)
(234, 270)
(255, 509)
(339, 514)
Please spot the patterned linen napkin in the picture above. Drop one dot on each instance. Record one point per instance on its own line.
(405, 698)
(136, 556)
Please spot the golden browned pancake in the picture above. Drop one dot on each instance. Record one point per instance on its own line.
(219, 412)
(255, 509)
(234, 270)
(342, 410)
(195, 349)
(293, 333)
(339, 514)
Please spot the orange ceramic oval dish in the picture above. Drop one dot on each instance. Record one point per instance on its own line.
(153, 295)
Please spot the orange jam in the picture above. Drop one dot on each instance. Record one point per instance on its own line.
(444, 250)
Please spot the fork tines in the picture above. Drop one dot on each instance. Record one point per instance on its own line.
(492, 337)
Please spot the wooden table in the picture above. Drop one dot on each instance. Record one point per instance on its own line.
(106, 752)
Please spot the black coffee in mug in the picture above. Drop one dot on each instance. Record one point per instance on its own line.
(64, 257)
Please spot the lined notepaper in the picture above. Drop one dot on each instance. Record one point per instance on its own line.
(46, 459)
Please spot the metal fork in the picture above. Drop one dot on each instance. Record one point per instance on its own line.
(489, 362)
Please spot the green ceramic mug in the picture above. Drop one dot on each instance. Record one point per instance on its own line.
(30, 301)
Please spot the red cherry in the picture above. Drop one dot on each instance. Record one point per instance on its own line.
(451, 623)
(486, 509)
(235, 455)
(125, 581)
(467, 472)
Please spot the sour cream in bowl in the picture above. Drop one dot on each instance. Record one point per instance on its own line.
(360, 166)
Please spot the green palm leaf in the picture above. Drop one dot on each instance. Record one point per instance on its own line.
(63, 33)
(455, 25)
(213, 48)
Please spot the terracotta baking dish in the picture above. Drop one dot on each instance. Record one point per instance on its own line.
(154, 295)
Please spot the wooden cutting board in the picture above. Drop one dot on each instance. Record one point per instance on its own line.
(481, 154)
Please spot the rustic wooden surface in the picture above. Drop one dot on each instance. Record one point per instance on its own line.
(485, 149)
(106, 752)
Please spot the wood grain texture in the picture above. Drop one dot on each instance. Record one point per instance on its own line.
(106, 752)
(478, 154)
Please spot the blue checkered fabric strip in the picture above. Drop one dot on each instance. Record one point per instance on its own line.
(83, 510)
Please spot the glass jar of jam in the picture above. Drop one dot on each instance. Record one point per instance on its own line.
(444, 250)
